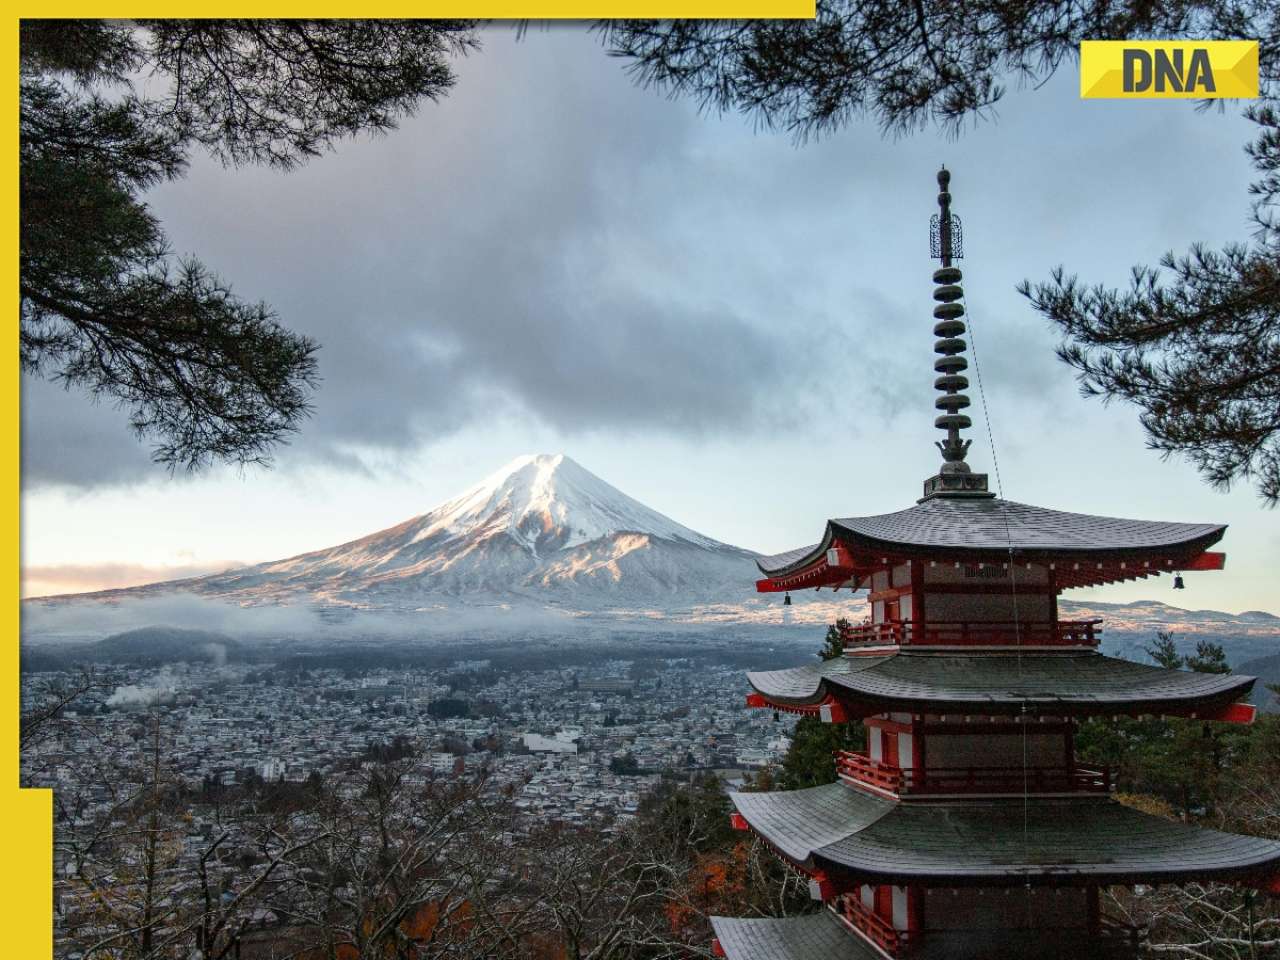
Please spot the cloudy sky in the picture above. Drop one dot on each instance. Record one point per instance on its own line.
(734, 329)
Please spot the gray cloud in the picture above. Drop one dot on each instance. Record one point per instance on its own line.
(551, 243)
(475, 263)
(68, 439)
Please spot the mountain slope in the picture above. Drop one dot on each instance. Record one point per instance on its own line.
(544, 532)
(542, 528)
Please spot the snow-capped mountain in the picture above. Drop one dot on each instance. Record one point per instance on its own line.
(549, 503)
(541, 528)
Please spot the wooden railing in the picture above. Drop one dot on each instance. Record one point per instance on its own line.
(1063, 633)
(860, 768)
(874, 927)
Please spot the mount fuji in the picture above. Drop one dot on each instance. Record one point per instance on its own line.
(541, 544)
(541, 529)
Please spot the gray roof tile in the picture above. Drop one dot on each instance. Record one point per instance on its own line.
(798, 822)
(1087, 840)
(1075, 682)
(984, 526)
(815, 936)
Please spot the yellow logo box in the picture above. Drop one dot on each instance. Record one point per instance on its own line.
(1168, 69)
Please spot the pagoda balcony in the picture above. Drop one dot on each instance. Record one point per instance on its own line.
(1062, 633)
(874, 927)
(860, 769)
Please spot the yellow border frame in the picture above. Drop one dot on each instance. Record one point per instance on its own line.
(26, 816)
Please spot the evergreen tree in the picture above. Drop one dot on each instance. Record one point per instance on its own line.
(833, 643)
(1179, 760)
(694, 815)
(105, 306)
(1209, 658)
(903, 65)
(810, 760)
(624, 764)
(1164, 651)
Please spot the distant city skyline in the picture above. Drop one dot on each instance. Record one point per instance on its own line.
(730, 328)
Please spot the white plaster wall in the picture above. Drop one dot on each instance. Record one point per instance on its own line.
(875, 749)
(906, 754)
(900, 908)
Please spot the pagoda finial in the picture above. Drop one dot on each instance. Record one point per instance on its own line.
(945, 244)
(945, 238)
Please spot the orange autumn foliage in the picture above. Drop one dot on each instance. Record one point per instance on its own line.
(420, 926)
(715, 884)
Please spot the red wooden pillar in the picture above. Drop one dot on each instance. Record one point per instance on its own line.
(884, 902)
(889, 749)
(1095, 911)
(918, 774)
(917, 601)
(915, 912)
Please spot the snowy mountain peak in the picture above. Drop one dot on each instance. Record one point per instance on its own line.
(541, 529)
(549, 501)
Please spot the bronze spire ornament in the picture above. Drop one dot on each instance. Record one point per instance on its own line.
(954, 479)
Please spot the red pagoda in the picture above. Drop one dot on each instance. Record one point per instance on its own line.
(967, 829)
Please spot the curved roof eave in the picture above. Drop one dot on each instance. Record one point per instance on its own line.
(1057, 841)
(1050, 683)
(843, 831)
(957, 529)
(814, 936)
(780, 564)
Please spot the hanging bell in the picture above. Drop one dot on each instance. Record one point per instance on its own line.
(1177, 582)
(786, 600)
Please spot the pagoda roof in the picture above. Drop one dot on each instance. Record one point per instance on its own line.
(822, 936)
(814, 936)
(943, 528)
(1049, 683)
(843, 831)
